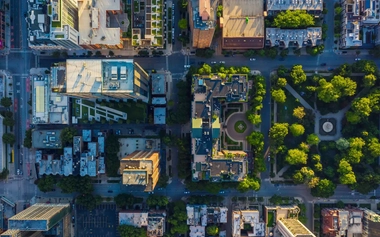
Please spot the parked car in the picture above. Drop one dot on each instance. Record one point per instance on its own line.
(222, 62)
(357, 59)
(252, 59)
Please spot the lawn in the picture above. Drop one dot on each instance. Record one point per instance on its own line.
(240, 126)
(285, 110)
(270, 219)
(136, 6)
(159, 40)
(136, 111)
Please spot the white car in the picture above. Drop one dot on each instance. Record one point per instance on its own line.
(18, 171)
(213, 62)
(252, 59)
(357, 59)
(222, 62)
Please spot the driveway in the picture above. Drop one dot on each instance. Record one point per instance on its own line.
(230, 130)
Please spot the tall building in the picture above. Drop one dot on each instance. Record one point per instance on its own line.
(53, 24)
(2, 29)
(100, 23)
(141, 168)
(211, 160)
(293, 228)
(243, 27)
(371, 224)
(153, 221)
(241, 219)
(314, 7)
(104, 78)
(41, 220)
(342, 222)
(202, 22)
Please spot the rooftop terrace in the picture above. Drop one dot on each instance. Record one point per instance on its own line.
(311, 36)
(282, 5)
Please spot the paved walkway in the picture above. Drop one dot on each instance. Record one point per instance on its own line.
(299, 97)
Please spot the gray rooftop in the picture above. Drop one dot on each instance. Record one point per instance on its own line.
(311, 36)
(282, 5)
(46, 139)
(158, 84)
(159, 115)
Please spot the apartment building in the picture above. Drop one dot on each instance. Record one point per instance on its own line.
(359, 17)
(295, 38)
(314, 7)
(153, 221)
(199, 216)
(53, 24)
(103, 78)
(41, 220)
(293, 228)
(101, 23)
(247, 223)
(210, 160)
(242, 26)
(371, 223)
(2, 29)
(202, 21)
(342, 222)
(141, 168)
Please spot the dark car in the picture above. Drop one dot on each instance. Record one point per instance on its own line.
(110, 191)
(323, 64)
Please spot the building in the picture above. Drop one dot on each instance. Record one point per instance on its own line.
(141, 168)
(159, 116)
(202, 215)
(46, 139)
(308, 37)
(159, 81)
(151, 34)
(359, 17)
(100, 23)
(342, 222)
(104, 78)
(243, 27)
(2, 29)
(53, 24)
(247, 223)
(3, 156)
(202, 21)
(154, 221)
(293, 228)
(314, 7)
(210, 160)
(49, 107)
(371, 223)
(41, 220)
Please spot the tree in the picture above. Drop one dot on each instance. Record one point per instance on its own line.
(212, 230)
(312, 139)
(7, 121)
(344, 167)
(182, 24)
(157, 200)
(325, 188)
(297, 129)
(205, 69)
(299, 112)
(344, 86)
(326, 91)
(348, 178)
(88, 200)
(298, 177)
(56, 54)
(373, 146)
(6, 102)
(296, 157)
(342, 144)
(278, 132)
(28, 139)
(340, 204)
(307, 172)
(46, 183)
(281, 82)
(278, 95)
(111, 53)
(67, 135)
(249, 183)
(163, 181)
(254, 118)
(313, 182)
(293, 19)
(219, 11)
(362, 106)
(71, 184)
(256, 139)
(98, 53)
(297, 74)
(131, 231)
(369, 80)
(177, 218)
(9, 138)
(124, 200)
(353, 117)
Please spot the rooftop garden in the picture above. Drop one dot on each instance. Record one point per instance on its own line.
(136, 6)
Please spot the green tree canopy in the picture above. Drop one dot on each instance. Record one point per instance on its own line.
(256, 139)
(212, 230)
(338, 87)
(326, 91)
(9, 138)
(362, 106)
(131, 231)
(163, 181)
(124, 200)
(178, 217)
(254, 118)
(7, 121)
(182, 24)
(299, 112)
(297, 74)
(297, 129)
(67, 135)
(293, 19)
(80, 184)
(6, 102)
(205, 69)
(88, 200)
(373, 146)
(278, 95)
(296, 157)
(157, 200)
(278, 132)
(312, 139)
(344, 86)
(249, 183)
(325, 188)
(281, 82)
(46, 183)
(348, 178)
(369, 80)
(342, 144)
(344, 167)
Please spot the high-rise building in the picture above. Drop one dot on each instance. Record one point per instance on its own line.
(43, 219)
(103, 78)
(53, 25)
(202, 22)
(141, 168)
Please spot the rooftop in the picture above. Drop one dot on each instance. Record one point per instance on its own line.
(282, 5)
(243, 27)
(88, 165)
(46, 139)
(197, 231)
(202, 215)
(203, 14)
(137, 219)
(2, 161)
(311, 36)
(39, 217)
(86, 135)
(250, 217)
(99, 75)
(48, 107)
(159, 115)
(294, 227)
(94, 25)
(158, 84)
(158, 101)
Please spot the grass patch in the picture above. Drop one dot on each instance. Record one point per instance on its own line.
(285, 110)
(89, 103)
(240, 126)
(136, 111)
(159, 40)
(270, 219)
(230, 141)
(136, 6)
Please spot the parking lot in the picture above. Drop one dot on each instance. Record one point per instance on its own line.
(100, 222)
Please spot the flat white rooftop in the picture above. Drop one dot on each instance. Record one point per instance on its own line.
(93, 21)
